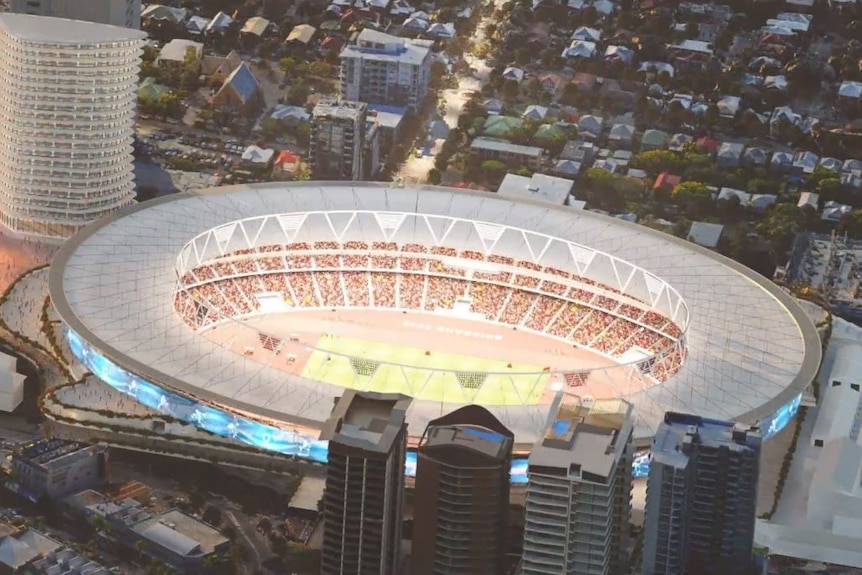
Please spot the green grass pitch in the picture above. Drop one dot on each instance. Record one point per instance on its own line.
(525, 386)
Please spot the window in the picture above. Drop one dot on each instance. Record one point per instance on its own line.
(836, 384)
(818, 443)
(854, 386)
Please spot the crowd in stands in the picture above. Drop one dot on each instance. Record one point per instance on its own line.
(578, 314)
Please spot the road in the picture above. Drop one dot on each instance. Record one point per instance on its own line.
(415, 169)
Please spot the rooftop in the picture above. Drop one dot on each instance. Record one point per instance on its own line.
(538, 186)
(374, 45)
(679, 432)
(44, 29)
(504, 146)
(48, 450)
(473, 437)
(180, 533)
(367, 420)
(340, 109)
(584, 433)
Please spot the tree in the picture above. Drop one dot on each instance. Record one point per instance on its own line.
(320, 69)
(829, 189)
(298, 94)
(493, 170)
(655, 162)
(780, 227)
(170, 105)
(434, 177)
(694, 196)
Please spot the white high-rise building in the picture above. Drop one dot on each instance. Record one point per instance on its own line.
(68, 90)
(115, 12)
(383, 69)
(579, 491)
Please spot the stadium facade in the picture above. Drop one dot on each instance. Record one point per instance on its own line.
(132, 291)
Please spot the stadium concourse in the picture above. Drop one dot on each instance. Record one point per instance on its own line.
(248, 309)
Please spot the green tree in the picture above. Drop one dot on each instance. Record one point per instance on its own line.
(829, 189)
(694, 196)
(655, 162)
(493, 170)
(321, 69)
(782, 223)
(298, 94)
(170, 105)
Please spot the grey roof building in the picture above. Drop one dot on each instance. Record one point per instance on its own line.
(367, 436)
(701, 497)
(538, 186)
(579, 492)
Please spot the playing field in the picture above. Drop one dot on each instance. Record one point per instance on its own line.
(375, 366)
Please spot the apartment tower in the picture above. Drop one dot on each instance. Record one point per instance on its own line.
(337, 144)
(461, 500)
(114, 12)
(363, 501)
(69, 90)
(701, 497)
(579, 491)
(382, 69)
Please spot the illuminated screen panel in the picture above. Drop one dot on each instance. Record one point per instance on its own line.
(300, 445)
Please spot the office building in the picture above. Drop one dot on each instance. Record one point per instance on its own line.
(69, 90)
(701, 497)
(125, 13)
(57, 467)
(383, 69)
(364, 497)
(579, 492)
(337, 144)
(461, 500)
(11, 383)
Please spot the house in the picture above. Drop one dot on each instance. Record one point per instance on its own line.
(254, 27)
(707, 145)
(441, 30)
(287, 165)
(729, 154)
(781, 162)
(728, 106)
(549, 189)
(831, 164)
(219, 24)
(549, 133)
(174, 53)
(622, 134)
(621, 93)
(779, 83)
(654, 139)
(809, 199)
(164, 14)
(551, 83)
(197, 25)
(666, 182)
(256, 157)
(656, 67)
(493, 106)
(692, 55)
(300, 36)
(852, 166)
(604, 7)
(580, 49)
(833, 211)
(500, 126)
(567, 168)
(240, 94)
(416, 24)
(805, 162)
(679, 141)
(850, 90)
(755, 156)
(622, 54)
(151, 90)
(586, 34)
(218, 68)
(590, 126)
(492, 149)
(705, 234)
(582, 152)
(584, 82)
(291, 115)
(729, 194)
(535, 112)
(513, 74)
(762, 202)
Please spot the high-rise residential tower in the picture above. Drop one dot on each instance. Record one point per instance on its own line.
(382, 69)
(701, 497)
(114, 12)
(69, 92)
(337, 144)
(579, 491)
(363, 501)
(461, 500)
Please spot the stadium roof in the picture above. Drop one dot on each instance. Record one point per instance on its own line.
(751, 348)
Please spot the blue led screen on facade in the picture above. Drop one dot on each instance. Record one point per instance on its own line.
(300, 445)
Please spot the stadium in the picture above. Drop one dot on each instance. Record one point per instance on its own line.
(248, 309)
